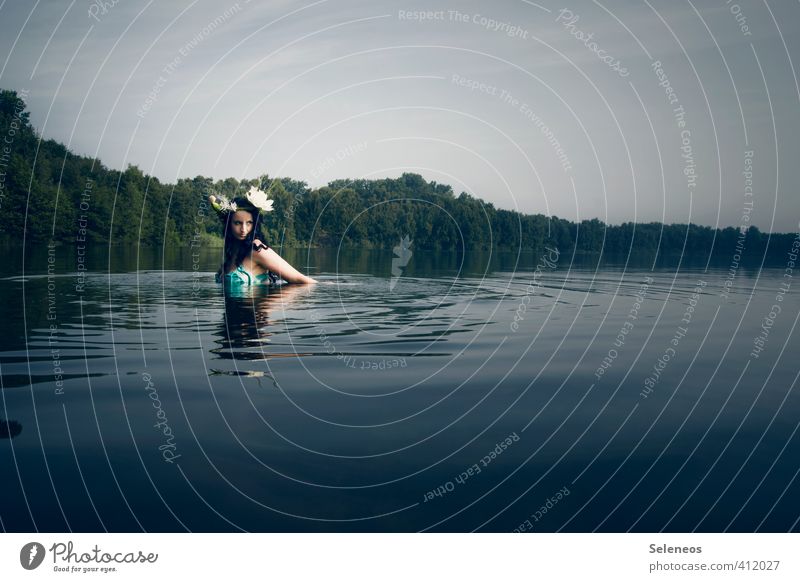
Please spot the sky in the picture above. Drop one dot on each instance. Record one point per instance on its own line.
(624, 111)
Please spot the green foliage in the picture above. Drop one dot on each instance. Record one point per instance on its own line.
(47, 192)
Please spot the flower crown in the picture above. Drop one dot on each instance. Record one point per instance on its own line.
(255, 199)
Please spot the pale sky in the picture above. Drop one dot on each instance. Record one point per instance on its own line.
(526, 105)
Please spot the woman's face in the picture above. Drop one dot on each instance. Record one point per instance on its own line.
(241, 224)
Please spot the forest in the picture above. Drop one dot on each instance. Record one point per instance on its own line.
(48, 193)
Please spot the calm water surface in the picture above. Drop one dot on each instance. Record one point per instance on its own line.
(457, 393)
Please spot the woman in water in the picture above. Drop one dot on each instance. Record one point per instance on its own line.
(248, 261)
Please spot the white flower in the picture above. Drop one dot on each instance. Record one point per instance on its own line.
(259, 199)
(222, 205)
(226, 205)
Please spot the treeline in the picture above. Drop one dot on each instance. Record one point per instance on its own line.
(48, 193)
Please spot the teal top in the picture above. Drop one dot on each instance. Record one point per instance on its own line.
(241, 277)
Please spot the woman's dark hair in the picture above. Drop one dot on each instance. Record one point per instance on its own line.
(236, 250)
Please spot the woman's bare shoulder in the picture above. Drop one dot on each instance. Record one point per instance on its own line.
(260, 253)
(260, 247)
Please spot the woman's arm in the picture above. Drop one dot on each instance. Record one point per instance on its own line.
(272, 261)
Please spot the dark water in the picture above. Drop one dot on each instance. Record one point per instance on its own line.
(144, 399)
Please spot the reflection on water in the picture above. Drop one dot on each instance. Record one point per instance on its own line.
(250, 314)
(360, 403)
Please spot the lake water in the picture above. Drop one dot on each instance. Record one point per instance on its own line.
(455, 393)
